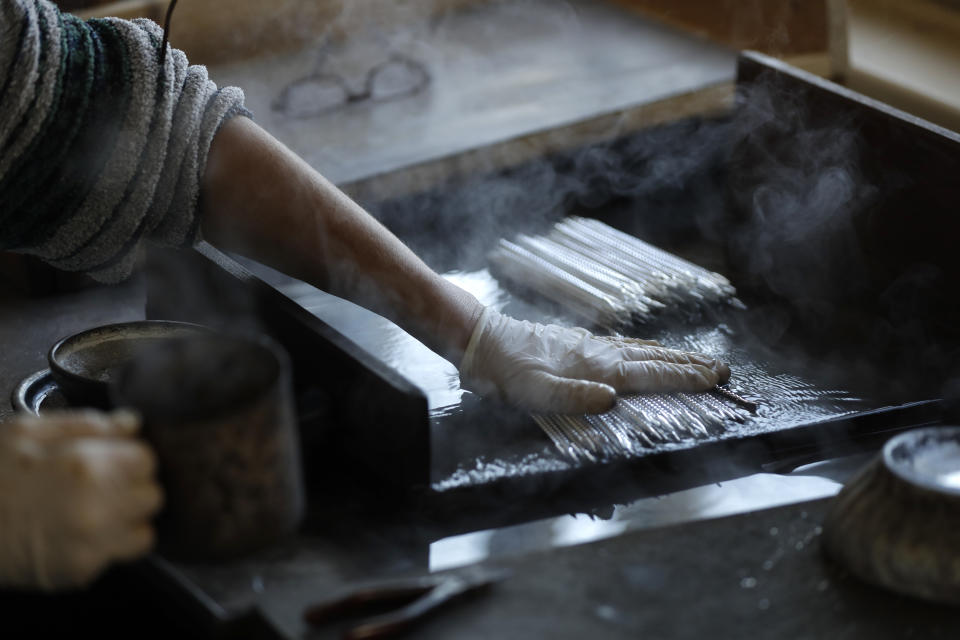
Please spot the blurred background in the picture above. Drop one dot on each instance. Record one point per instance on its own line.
(903, 53)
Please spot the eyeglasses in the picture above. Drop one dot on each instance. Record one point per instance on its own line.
(320, 93)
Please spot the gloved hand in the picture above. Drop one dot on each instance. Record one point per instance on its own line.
(77, 491)
(560, 370)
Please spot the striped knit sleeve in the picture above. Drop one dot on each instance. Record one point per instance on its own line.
(100, 147)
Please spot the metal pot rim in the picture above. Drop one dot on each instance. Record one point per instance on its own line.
(127, 331)
(900, 453)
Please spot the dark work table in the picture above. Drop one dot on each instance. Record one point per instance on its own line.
(759, 573)
(30, 324)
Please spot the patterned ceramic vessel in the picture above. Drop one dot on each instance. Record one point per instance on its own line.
(897, 522)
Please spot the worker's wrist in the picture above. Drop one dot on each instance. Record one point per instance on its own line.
(458, 314)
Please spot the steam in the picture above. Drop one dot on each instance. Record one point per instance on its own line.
(183, 286)
(798, 186)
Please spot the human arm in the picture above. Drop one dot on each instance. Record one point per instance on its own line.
(101, 146)
(261, 200)
(108, 160)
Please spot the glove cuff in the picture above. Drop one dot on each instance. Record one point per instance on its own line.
(469, 361)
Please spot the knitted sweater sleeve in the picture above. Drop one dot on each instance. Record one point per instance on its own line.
(100, 147)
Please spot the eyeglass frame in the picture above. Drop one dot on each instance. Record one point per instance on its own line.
(281, 102)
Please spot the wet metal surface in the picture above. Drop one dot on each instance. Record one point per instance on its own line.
(476, 442)
(710, 501)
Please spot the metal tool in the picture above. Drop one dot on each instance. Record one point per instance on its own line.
(749, 405)
(411, 600)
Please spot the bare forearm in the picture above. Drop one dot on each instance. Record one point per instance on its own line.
(261, 200)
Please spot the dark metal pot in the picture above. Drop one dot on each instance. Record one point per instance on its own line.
(219, 413)
(85, 364)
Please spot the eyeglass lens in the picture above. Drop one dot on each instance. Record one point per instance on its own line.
(311, 96)
(396, 77)
(316, 94)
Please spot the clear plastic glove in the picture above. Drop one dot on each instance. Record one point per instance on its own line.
(561, 370)
(77, 492)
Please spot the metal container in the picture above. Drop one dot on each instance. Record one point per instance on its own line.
(897, 523)
(218, 411)
(85, 364)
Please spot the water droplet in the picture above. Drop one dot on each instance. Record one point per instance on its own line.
(799, 545)
(748, 583)
(823, 585)
(774, 531)
(764, 604)
(606, 612)
(817, 530)
(257, 584)
(767, 565)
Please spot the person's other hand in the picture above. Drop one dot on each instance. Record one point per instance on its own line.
(77, 492)
(561, 370)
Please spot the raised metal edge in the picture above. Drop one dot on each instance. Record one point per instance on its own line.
(132, 330)
(912, 439)
(30, 392)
